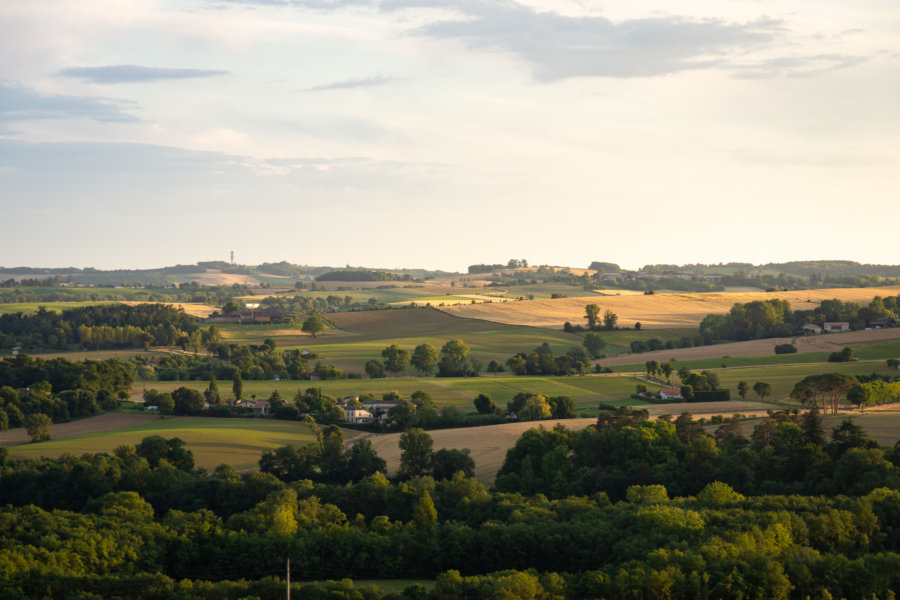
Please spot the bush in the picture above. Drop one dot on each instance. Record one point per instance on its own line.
(785, 349)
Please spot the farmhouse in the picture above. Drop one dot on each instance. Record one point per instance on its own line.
(260, 407)
(356, 415)
(810, 328)
(837, 326)
(670, 394)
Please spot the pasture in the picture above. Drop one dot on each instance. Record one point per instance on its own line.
(659, 311)
(238, 442)
(586, 391)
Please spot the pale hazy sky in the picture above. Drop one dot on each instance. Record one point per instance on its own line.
(437, 134)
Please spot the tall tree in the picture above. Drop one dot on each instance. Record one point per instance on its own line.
(610, 319)
(38, 427)
(592, 314)
(237, 384)
(743, 388)
(453, 359)
(416, 451)
(594, 343)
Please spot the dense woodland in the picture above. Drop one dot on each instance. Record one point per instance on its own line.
(98, 326)
(628, 509)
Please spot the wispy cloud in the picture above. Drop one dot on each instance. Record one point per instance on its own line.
(135, 73)
(354, 83)
(22, 104)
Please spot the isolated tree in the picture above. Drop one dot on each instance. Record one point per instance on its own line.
(666, 370)
(743, 388)
(38, 426)
(237, 384)
(594, 343)
(374, 368)
(416, 451)
(592, 314)
(762, 389)
(313, 324)
(424, 358)
(395, 358)
(610, 319)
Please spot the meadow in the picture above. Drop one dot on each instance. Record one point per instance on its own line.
(238, 442)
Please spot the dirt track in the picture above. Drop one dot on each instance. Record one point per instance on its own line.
(107, 422)
(829, 342)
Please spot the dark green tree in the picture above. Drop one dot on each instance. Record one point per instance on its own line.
(424, 358)
(416, 452)
(592, 314)
(395, 358)
(313, 324)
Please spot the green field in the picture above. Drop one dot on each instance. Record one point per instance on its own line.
(587, 391)
(30, 308)
(877, 351)
(238, 442)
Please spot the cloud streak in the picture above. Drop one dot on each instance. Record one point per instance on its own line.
(22, 104)
(354, 83)
(112, 74)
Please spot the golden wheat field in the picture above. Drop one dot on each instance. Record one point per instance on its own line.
(656, 310)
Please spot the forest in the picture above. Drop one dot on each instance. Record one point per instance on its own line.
(629, 508)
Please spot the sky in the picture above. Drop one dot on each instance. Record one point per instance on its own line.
(443, 133)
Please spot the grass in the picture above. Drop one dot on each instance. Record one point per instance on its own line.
(29, 308)
(586, 392)
(238, 442)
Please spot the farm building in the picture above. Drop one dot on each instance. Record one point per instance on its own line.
(356, 415)
(809, 328)
(837, 326)
(670, 394)
(883, 323)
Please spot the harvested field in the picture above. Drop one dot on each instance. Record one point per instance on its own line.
(194, 309)
(829, 342)
(98, 424)
(213, 277)
(488, 444)
(657, 310)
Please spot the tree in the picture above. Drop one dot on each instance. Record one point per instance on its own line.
(374, 368)
(536, 408)
(187, 401)
(395, 358)
(425, 515)
(594, 343)
(424, 358)
(762, 389)
(313, 324)
(416, 452)
(38, 427)
(363, 461)
(212, 391)
(743, 388)
(237, 384)
(165, 404)
(610, 319)
(484, 404)
(592, 314)
(666, 370)
(446, 463)
(453, 359)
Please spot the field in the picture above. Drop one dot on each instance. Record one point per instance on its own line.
(873, 344)
(658, 311)
(191, 308)
(586, 392)
(238, 442)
